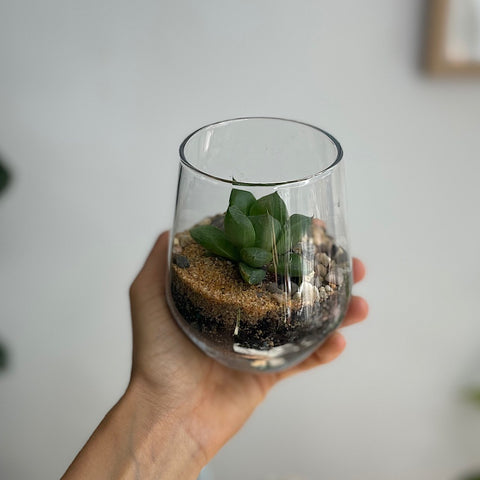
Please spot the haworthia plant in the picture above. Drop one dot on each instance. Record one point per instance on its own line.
(259, 235)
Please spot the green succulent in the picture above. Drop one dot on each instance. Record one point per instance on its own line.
(259, 235)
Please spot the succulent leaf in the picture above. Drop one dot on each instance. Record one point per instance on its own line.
(296, 227)
(300, 223)
(238, 228)
(215, 241)
(252, 276)
(290, 264)
(241, 199)
(255, 257)
(267, 231)
(271, 204)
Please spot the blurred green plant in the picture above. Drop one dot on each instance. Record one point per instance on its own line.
(3, 357)
(258, 235)
(473, 395)
(475, 476)
(4, 180)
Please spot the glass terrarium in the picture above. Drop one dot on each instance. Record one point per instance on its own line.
(259, 271)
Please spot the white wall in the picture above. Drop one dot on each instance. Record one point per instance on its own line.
(96, 95)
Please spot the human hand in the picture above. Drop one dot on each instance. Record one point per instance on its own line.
(181, 406)
(213, 400)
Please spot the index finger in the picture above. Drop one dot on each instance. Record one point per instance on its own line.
(358, 269)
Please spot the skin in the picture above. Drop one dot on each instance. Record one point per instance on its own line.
(181, 406)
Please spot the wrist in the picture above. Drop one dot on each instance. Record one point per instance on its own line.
(138, 439)
(161, 443)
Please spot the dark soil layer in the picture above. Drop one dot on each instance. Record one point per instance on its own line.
(270, 331)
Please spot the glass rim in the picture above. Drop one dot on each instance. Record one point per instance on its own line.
(324, 171)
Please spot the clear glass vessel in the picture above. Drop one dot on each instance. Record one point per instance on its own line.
(259, 271)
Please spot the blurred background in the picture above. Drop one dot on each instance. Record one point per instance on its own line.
(96, 96)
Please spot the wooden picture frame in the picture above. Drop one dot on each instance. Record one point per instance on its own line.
(445, 54)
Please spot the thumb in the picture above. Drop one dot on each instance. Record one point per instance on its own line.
(147, 296)
(150, 281)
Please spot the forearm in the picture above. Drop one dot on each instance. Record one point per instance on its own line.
(136, 440)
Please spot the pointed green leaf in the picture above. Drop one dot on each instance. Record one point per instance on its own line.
(215, 241)
(238, 228)
(300, 224)
(295, 229)
(241, 199)
(284, 243)
(289, 265)
(267, 230)
(252, 276)
(272, 204)
(255, 257)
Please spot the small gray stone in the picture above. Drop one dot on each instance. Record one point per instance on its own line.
(325, 259)
(281, 298)
(341, 255)
(335, 277)
(309, 293)
(181, 261)
(205, 221)
(323, 293)
(272, 287)
(321, 270)
(184, 239)
(176, 246)
(331, 278)
(218, 221)
(293, 288)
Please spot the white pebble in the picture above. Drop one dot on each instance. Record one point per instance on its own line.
(322, 293)
(309, 293)
(335, 277)
(322, 270)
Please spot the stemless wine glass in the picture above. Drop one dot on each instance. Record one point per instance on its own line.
(259, 270)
